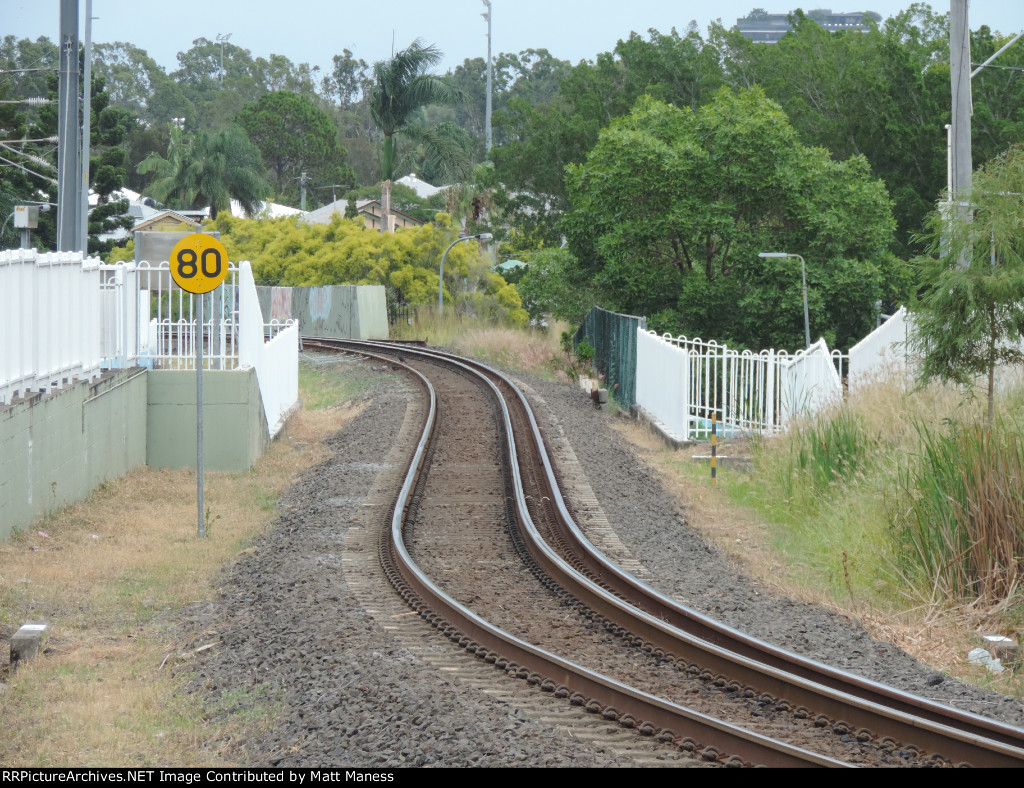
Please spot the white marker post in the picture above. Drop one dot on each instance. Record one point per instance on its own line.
(199, 263)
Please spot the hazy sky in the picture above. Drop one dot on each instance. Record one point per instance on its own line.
(313, 31)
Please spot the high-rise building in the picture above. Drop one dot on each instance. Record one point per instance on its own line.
(765, 28)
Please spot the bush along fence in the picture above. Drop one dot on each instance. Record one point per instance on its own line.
(680, 384)
(613, 337)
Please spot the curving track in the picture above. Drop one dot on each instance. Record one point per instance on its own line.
(483, 546)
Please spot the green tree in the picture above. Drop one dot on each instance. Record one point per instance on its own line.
(138, 84)
(555, 286)
(967, 316)
(401, 86)
(32, 166)
(295, 137)
(348, 81)
(671, 209)
(208, 170)
(883, 94)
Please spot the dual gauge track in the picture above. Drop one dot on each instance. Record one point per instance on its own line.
(482, 545)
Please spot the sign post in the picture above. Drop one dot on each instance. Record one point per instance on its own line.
(199, 263)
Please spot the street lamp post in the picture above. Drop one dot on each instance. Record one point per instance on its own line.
(488, 14)
(803, 276)
(440, 275)
(222, 37)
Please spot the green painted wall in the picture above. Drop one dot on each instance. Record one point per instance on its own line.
(234, 425)
(56, 449)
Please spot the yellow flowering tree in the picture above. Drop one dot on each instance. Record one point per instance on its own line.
(291, 253)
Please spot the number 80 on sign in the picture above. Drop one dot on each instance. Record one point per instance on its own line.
(199, 263)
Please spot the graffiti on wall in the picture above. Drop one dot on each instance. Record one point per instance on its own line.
(319, 303)
(280, 303)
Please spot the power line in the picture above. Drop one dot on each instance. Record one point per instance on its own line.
(29, 156)
(1004, 68)
(24, 70)
(54, 140)
(30, 172)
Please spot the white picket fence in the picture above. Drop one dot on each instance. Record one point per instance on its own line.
(63, 319)
(682, 383)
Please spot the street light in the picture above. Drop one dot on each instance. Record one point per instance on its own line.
(803, 276)
(440, 275)
(222, 37)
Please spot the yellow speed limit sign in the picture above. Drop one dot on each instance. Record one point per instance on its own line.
(199, 263)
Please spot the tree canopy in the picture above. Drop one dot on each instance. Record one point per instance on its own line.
(295, 137)
(672, 207)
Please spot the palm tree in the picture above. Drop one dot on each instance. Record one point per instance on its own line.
(209, 171)
(401, 86)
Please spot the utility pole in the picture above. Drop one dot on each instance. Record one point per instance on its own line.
(960, 81)
(302, 191)
(69, 167)
(488, 14)
(86, 131)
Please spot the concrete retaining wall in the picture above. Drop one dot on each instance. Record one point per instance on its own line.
(338, 311)
(234, 426)
(55, 449)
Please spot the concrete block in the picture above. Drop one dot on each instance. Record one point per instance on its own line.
(1002, 648)
(26, 643)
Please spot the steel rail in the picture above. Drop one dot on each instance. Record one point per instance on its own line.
(854, 700)
(542, 667)
(850, 700)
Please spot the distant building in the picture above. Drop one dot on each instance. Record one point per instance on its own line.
(423, 189)
(367, 210)
(765, 28)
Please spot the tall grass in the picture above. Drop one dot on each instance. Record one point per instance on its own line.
(826, 452)
(531, 349)
(826, 489)
(960, 524)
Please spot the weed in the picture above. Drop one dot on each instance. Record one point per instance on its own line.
(961, 526)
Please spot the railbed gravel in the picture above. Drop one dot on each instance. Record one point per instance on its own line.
(290, 630)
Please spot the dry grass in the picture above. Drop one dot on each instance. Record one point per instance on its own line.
(532, 350)
(102, 572)
(527, 350)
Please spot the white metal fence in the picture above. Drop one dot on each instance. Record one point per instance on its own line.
(63, 318)
(49, 321)
(682, 383)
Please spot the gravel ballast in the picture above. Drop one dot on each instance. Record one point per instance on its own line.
(293, 624)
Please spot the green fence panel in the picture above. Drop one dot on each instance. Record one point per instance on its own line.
(613, 337)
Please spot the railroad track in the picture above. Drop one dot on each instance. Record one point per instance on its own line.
(563, 617)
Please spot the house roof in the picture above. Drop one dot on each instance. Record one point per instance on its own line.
(266, 210)
(422, 188)
(508, 265)
(152, 220)
(326, 214)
